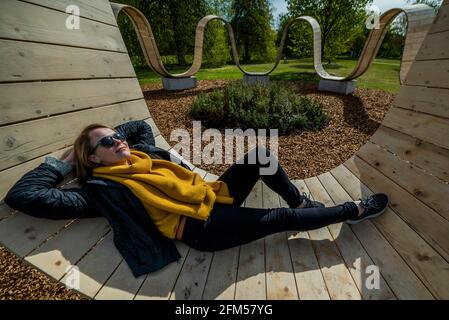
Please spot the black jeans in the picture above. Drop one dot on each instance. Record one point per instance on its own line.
(232, 225)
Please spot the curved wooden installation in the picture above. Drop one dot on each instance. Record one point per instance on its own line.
(54, 81)
(419, 20)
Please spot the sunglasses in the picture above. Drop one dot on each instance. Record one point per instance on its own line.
(108, 141)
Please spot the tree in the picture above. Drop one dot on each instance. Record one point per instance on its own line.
(341, 22)
(251, 21)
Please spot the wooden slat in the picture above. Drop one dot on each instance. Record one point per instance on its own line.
(428, 265)
(441, 23)
(432, 101)
(22, 233)
(401, 280)
(97, 266)
(280, 278)
(222, 276)
(192, 278)
(251, 271)
(25, 21)
(163, 144)
(426, 222)
(309, 279)
(338, 279)
(425, 127)
(432, 73)
(26, 61)
(29, 140)
(423, 186)
(435, 46)
(122, 285)
(68, 246)
(5, 211)
(159, 285)
(153, 126)
(427, 156)
(356, 257)
(99, 10)
(23, 101)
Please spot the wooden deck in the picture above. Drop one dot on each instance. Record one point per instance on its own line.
(54, 84)
(329, 263)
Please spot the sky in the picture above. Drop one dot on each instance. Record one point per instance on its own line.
(384, 5)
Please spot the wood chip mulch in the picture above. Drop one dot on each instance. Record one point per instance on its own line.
(20, 281)
(353, 120)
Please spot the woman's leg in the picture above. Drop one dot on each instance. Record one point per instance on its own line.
(229, 225)
(241, 177)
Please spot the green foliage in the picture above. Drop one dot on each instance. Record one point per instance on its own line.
(251, 21)
(173, 23)
(341, 23)
(272, 106)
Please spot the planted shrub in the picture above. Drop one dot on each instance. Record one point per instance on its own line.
(261, 106)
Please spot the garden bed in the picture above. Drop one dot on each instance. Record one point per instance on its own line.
(352, 121)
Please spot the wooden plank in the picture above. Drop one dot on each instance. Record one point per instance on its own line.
(192, 278)
(432, 73)
(281, 284)
(251, 271)
(419, 125)
(25, 141)
(428, 265)
(9, 177)
(68, 246)
(338, 279)
(97, 266)
(441, 23)
(99, 10)
(27, 61)
(5, 211)
(25, 21)
(309, 279)
(21, 233)
(432, 101)
(435, 46)
(122, 285)
(28, 100)
(153, 126)
(222, 277)
(423, 220)
(424, 155)
(159, 285)
(355, 256)
(423, 186)
(162, 143)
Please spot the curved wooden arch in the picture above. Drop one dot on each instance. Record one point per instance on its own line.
(419, 17)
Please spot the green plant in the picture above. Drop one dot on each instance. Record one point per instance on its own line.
(261, 106)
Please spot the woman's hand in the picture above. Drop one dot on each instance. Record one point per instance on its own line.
(69, 157)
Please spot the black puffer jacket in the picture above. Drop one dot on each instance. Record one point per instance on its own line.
(142, 246)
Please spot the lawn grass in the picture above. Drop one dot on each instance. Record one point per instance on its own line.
(383, 73)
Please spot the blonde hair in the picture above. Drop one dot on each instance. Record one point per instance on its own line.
(82, 148)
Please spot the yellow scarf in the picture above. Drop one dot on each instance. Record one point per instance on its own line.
(167, 190)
